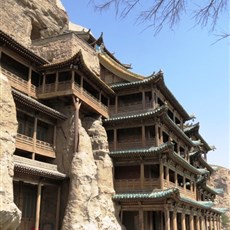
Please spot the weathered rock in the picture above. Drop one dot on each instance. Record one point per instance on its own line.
(9, 213)
(27, 20)
(221, 179)
(91, 185)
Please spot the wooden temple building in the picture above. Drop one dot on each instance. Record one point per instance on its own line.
(160, 162)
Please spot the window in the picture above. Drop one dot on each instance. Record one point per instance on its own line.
(152, 171)
(171, 176)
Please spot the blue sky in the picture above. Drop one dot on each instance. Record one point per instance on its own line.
(195, 70)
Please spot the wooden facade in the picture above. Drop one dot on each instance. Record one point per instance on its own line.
(160, 164)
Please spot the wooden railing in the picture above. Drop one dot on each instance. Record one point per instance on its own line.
(183, 191)
(131, 185)
(66, 87)
(26, 143)
(20, 84)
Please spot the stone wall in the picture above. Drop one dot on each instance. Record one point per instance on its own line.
(26, 19)
(9, 214)
(221, 179)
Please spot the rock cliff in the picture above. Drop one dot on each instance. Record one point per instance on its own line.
(27, 20)
(9, 214)
(221, 179)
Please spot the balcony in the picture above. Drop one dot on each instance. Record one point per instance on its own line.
(18, 83)
(135, 185)
(38, 147)
(68, 88)
(131, 143)
(183, 191)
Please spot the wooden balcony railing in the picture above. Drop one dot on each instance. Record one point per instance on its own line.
(131, 185)
(68, 88)
(183, 191)
(20, 84)
(28, 144)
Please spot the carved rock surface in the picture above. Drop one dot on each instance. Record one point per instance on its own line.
(32, 19)
(221, 179)
(91, 185)
(9, 213)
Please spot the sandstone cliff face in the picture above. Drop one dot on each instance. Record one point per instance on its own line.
(32, 19)
(221, 179)
(91, 183)
(9, 214)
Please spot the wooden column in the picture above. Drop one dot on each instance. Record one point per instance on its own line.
(77, 105)
(161, 174)
(167, 218)
(38, 206)
(35, 136)
(156, 134)
(141, 219)
(183, 221)
(143, 139)
(142, 174)
(55, 137)
(191, 221)
(197, 222)
(56, 82)
(143, 99)
(58, 207)
(210, 222)
(202, 222)
(43, 82)
(82, 84)
(174, 219)
(72, 79)
(115, 139)
(153, 98)
(29, 81)
(116, 104)
(167, 175)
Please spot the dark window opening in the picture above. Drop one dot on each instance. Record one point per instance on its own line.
(177, 121)
(171, 176)
(188, 184)
(14, 67)
(110, 135)
(150, 132)
(160, 102)
(180, 180)
(130, 99)
(165, 137)
(148, 96)
(90, 89)
(182, 152)
(175, 146)
(64, 76)
(104, 100)
(77, 78)
(50, 78)
(165, 172)
(152, 171)
(171, 115)
(112, 101)
(36, 78)
(127, 172)
(130, 220)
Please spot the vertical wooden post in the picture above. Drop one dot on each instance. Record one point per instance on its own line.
(35, 136)
(142, 175)
(167, 218)
(43, 83)
(161, 173)
(116, 104)
(153, 99)
(143, 139)
(175, 219)
(167, 175)
(38, 206)
(58, 207)
(197, 222)
(191, 221)
(77, 105)
(29, 81)
(72, 79)
(56, 82)
(141, 219)
(183, 221)
(82, 84)
(115, 139)
(156, 134)
(55, 137)
(143, 99)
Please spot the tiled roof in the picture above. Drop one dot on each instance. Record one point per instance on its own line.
(216, 191)
(220, 210)
(157, 194)
(37, 105)
(141, 152)
(17, 47)
(202, 204)
(137, 115)
(36, 168)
